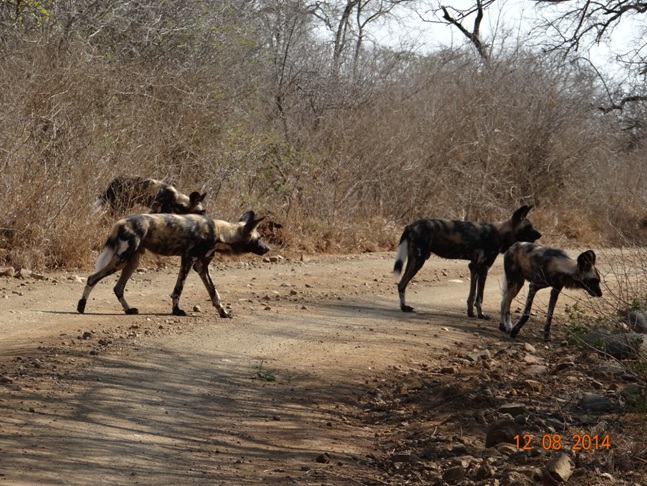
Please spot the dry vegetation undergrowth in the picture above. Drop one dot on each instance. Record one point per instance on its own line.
(341, 148)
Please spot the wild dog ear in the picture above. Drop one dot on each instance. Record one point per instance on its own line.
(195, 197)
(520, 213)
(586, 259)
(164, 202)
(249, 218)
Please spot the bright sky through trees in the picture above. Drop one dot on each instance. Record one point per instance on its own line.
(508, 22)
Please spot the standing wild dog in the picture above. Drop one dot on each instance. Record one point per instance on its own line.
(479, 243)
(543, 267)
(125, 192)
(196, 238)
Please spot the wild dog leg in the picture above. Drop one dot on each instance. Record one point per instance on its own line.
(480, 288)
(185, 266)
(414, 264)
(202, 267)
(532, 290)
(554, 294)
(478, 276)
(513, 287)
(470, 296)
(126, 273)
(94, 279)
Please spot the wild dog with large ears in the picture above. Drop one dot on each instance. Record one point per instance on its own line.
(195, 238)
(477, 242)
(543, 267)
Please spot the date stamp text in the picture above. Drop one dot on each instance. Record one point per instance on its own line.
(556, 442)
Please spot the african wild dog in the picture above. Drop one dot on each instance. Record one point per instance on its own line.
(125, 192)
(543, 267)
(196, 238)
(479, 243)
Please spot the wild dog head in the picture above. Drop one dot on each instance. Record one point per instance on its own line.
(170, 200)
(518, 228)
(125, 192)
(587, 277)
(242, 237)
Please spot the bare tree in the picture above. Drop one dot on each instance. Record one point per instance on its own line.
(575, 26)
(349, 21)
(458, 17)
(578, 22)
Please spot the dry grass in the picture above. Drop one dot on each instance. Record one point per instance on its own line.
(341, 163)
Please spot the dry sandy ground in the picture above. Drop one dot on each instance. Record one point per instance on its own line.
(268, 397)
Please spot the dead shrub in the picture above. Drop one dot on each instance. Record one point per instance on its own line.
(342, 164)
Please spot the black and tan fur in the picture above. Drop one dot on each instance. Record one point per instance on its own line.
(195, 238)
(477, 242)
(543, 267)
(125, 192)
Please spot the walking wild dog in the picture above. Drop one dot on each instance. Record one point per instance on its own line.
(543, 267)
(479, 243)
(196, 238)
(125, 192)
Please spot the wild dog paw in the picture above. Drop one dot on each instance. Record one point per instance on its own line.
(406, 308)
(485, 317)
(502, 327)
(515, 330)
(132, 311)
(178, 312)
(80, 307)
(547, 338)
(224, 313)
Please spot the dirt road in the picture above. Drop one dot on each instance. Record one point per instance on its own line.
(272, 396)
(167, 400)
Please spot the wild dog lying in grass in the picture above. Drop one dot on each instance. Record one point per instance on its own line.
(479, 243)
(543, 267)
(196, 238)
(126, 192)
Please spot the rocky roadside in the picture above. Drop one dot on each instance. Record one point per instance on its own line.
(510, 414)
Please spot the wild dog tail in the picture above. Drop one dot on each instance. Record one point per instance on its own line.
(106, 255)
(102, 201)
(401, 255)
(504, 284)
(98, 206)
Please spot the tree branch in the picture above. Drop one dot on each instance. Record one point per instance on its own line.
(474, 36)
